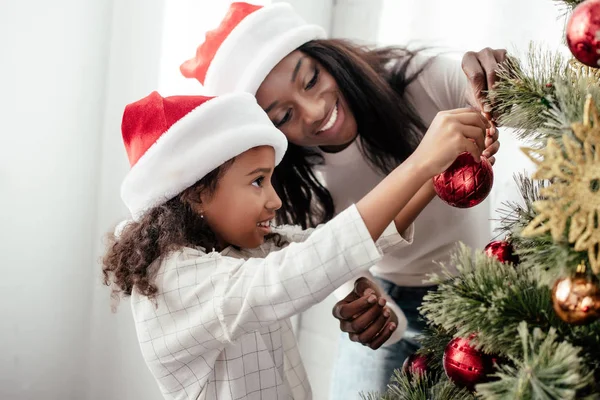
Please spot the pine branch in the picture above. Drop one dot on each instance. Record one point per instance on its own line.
(489, 298)
(570, 93)
(517, 215)
(445, 389)
(548, 370)
(587, 338)
(541, 97)
(492, 299)
(405, 387)
(570, 4)
(524, 92)
(420, 387)
(433, 342)
(549, 259)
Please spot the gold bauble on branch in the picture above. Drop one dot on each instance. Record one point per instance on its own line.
(576, 299)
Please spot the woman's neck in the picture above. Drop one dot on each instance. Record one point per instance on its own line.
(339, 147)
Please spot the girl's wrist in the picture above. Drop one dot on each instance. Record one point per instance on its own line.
(416, 167)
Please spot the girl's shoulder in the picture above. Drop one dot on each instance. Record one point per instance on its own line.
(186, 256)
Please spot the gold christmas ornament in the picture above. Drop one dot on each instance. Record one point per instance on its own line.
(576, 299)
(574, 190)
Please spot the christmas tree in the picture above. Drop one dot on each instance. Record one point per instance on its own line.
(521, 320)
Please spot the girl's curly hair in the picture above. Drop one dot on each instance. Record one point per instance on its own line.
(130, 256)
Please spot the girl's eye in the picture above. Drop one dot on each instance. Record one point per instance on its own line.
(314, 80)
(258, 182)
(286, 118)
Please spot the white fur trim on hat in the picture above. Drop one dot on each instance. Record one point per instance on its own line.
(256, 45)
(202, 140)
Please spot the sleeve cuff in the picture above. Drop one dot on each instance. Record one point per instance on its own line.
(348, 287)
(391, 239)
(402, 322)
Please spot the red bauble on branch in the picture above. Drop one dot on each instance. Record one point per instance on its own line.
(465, 366)
(415, 363)
(466, 182)
(502, 251)
(582, 32)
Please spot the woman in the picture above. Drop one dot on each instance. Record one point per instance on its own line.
(352, 115)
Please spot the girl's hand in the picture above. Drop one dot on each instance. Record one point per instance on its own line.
(480, 68)
(450, 134)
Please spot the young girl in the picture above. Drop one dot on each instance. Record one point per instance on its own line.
(212, 284)
(351, 116)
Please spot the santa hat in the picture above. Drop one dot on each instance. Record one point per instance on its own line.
(173, 142)
(250, 41)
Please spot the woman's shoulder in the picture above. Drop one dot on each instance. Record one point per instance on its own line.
(439, 76)
(421, 62)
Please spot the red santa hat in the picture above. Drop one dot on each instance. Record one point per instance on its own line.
(173, 142)
(250, 41)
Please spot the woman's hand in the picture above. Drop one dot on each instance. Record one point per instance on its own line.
(491, 145)
(364, 316)
(480, 68)
(450, 134)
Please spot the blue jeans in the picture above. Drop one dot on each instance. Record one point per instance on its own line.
(360, 369)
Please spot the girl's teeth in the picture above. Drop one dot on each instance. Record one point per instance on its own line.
(331, 121)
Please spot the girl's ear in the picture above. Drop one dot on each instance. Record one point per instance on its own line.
(193, 197)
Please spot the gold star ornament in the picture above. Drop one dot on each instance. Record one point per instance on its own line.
(572, 198)
(581, 72)
(589, 130)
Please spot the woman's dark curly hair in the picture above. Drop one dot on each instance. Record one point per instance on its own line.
(130, 257)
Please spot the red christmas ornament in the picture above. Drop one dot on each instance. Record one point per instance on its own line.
(582, 32)
(465, 183)
(465, 366)
(501, 250)
(415, 363)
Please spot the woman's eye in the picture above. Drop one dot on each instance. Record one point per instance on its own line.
(285, 119)
(314, 79)
(258, 181)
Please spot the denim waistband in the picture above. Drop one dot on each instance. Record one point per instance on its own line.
(404, 293)
(409, 299)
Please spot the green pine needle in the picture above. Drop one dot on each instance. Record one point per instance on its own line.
(548, 370)
(490, 298)
(524, 92)
(541, 97)
(570, 4)
(548, 258)
(433, 342)
(420, 387)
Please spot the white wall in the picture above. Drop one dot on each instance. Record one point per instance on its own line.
(319, 12)
(117, 369)
(471, 24)
(52, 76)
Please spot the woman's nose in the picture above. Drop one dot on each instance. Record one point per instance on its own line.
(312, 110)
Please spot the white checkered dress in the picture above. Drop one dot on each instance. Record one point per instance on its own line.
(220, 328)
